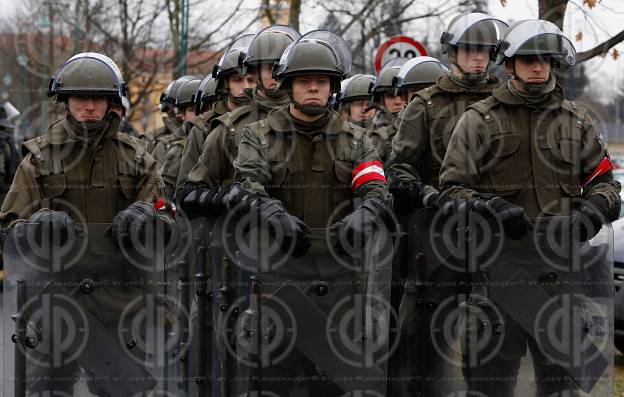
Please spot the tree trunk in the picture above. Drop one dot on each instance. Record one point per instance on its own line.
(293, 14)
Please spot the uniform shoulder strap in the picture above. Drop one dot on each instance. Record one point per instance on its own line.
(484, 107)
(580, 112)
(427, 94)
(34, 146)
(138, 145)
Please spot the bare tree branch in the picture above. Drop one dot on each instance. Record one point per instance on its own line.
(601, 48)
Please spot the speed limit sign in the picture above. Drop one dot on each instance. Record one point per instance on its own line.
(398, 46)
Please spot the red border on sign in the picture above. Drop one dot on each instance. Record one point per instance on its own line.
(393, 40)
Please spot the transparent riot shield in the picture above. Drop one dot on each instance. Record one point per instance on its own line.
(539, 320)
(428, 360)
(316, 324)
(83, 316)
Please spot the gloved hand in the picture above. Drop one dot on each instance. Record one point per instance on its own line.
(360, 225)
(53, 224)
(407, 194)
(136, 220)
(513, 218)
(430, 197)
(590, 216)
(202, 202)
(293, 230)
(450, 206)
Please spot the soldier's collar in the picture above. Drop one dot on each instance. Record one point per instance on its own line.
(58, 132)
(281, 120)
(445, 83)
(170, 124)
(504, 95)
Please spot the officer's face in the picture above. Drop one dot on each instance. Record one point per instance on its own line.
(87, 108)
(473, 59)
(239, 83)
(266, 75)
(393, 103)
(188, 113)
(532, 69)
(361, 110)
(311, 89)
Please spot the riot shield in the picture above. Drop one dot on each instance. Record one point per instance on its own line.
(316, 324)
(83, 315)
(540, 320)
(436, 284)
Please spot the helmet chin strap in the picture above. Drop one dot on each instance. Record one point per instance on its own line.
(310, 110)
(271, 93)
(471, 77)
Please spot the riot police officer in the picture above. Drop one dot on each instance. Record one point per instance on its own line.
(84, 171)
(160, 138)
(417, 152)
(389, 104)
(234, 85)
(428, 121)
(214, 167)
(354, 100)
(306, 169)
(186, 107)
(535, 163)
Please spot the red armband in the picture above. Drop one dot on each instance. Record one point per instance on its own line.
(366, 172)
(605, 166)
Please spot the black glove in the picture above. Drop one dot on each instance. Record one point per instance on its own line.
(407, 194)
(359, 225)
(136, 220)
(201, 202)
(513, 218)
(53, 224)
(450, 206)
(294, 230)
(430, 197)
(590, 216)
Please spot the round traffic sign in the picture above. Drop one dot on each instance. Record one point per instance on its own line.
(398, 46)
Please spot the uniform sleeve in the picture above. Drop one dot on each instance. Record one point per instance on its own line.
(409, 143)
(190, 155)
(160, 152)
(378, 142)
(459, 175)
(251, 166)
(209, 167)
(150, 185)
(23, 198)
(368, 175)
(596, 152)
(171, 167)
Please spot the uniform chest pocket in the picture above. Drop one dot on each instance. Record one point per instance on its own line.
(128, 187)
(53, 185)
(568, 169)
(441, 129)
(502, 163)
